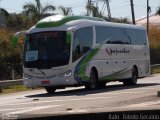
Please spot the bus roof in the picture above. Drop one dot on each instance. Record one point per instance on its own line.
(120, 25)
(57, 20)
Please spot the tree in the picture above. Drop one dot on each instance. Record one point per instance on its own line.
(93, 10)
(96, 12)
(4, 12)
(89, 7)
(108, 8)
(36, 9)
(10, 58)
(18, 22)
(121, 20)
(66, 10)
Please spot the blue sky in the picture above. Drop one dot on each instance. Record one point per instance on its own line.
(119, 8)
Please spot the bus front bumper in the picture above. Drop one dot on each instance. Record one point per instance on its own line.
(56, 81)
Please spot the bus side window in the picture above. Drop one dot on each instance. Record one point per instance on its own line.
(103, 34)
(82, 42)
(137, 37)
(141, 37)
(130, 35)
(77, 46)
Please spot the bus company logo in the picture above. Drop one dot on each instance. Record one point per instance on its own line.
(109, 51)
(116, 51)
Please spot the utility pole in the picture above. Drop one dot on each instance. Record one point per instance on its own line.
(132, 12)
(108, 9)
(148, 16)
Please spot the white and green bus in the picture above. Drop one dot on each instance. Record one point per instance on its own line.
(63, 51)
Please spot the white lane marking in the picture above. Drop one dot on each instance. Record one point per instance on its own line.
(33, 109)
(78, 111)
(13, 109)
(78, 99)
(143, 104)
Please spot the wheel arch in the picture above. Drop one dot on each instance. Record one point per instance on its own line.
(95, 70)
(135, 66)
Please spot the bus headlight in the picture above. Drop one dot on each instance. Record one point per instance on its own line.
(68, 73)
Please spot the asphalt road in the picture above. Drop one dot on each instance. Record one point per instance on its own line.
(115, 97)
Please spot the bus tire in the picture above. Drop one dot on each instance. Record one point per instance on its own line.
(93, 83)
(102, 84)
(133, 79)
(50, 90)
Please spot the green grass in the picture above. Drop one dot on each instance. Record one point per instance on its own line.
(14, 89)
(155, 70)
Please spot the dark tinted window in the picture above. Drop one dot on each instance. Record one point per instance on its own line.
(137, 37)
(102, 34)
(111, 35)
(129, 35)
(82, 42)
(118, 36)
(140, 37)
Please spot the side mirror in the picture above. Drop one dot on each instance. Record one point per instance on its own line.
(16, 36)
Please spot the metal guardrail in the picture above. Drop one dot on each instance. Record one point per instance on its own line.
(7, 83)
(155, 65)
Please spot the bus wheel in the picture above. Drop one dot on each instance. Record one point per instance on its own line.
(133, 80)
(102, 84)
(50, 90)
(93, 81)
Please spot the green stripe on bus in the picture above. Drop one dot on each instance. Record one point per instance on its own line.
(83, 65)
(115, 75)
(63, 20)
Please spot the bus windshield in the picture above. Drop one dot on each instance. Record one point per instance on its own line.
(46, 50)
